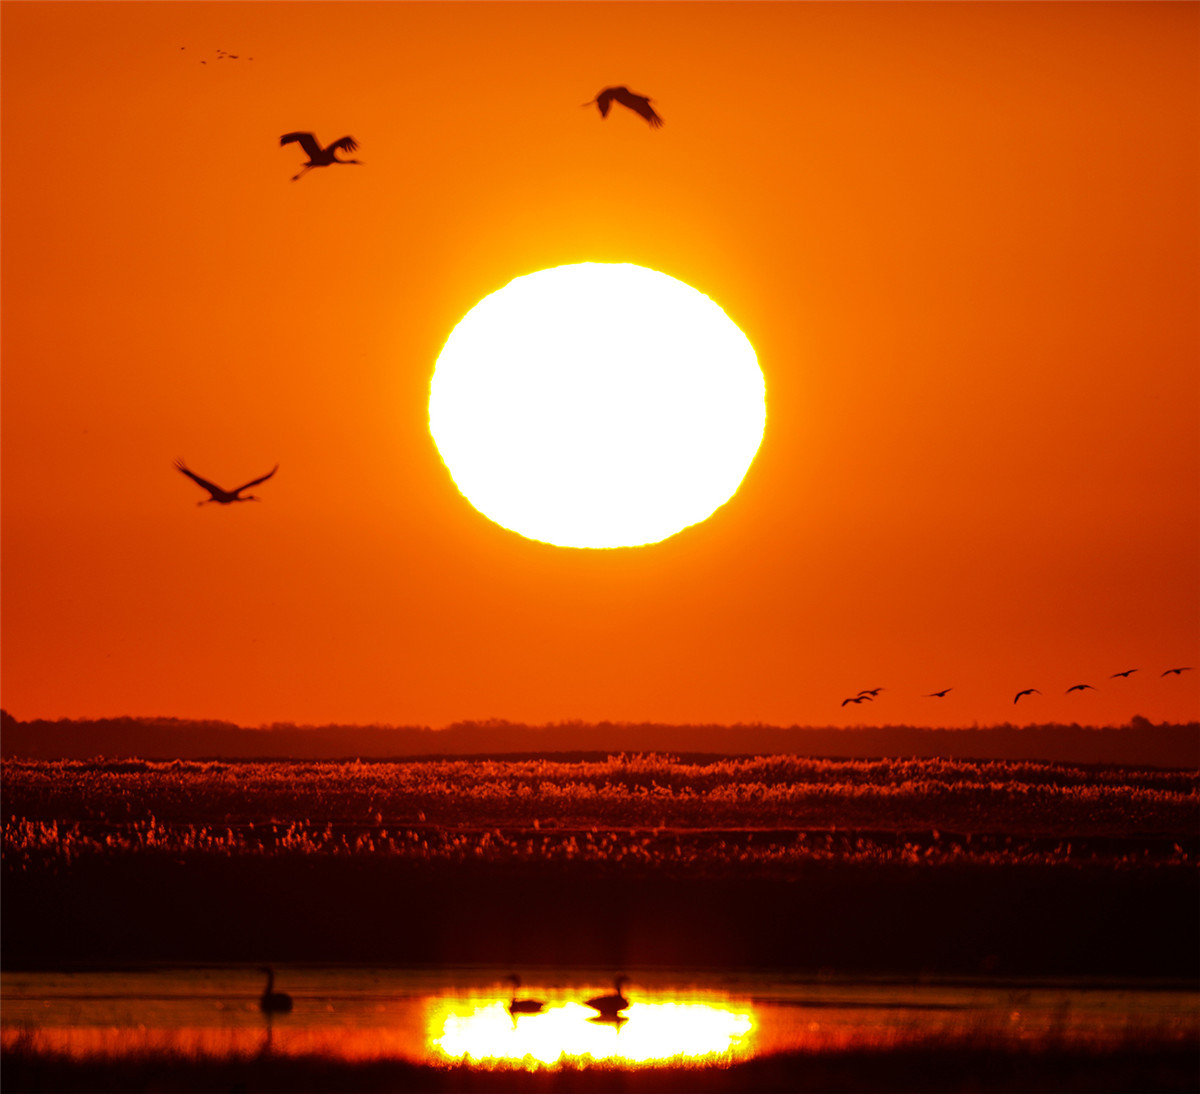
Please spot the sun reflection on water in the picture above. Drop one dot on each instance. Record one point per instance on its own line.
(482, 1031)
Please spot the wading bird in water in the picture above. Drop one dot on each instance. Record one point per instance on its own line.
(318, 156)
(523, 1006)
(1127, 672)
(224, 497)
(1027, 691)
(610, 1006)
(272, 1001)
(938, 694)
(1186, 668)
(1078, 687)
(639, 104)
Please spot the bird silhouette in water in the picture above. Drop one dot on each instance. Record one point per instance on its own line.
(1027, 691)
(639, 104)
(610, 1006)
(1078, 687)
(517, 1006)
(859, 699)
(272, 1001)
(938, 694)
(1127, 672)
(1177, 672)
(318, 156)
(224, 497)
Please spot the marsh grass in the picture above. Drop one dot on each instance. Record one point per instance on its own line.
(770, 861)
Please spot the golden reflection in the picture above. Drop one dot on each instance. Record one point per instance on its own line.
(483, 1032)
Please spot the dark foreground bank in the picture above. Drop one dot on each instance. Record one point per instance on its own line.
(1003, 918)
(960, 1068)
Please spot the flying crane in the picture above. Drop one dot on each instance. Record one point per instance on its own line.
(318, 156)
(639, 104)
(223, 497)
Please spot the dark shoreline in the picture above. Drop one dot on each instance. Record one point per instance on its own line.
(999, 919)
(983, 1067)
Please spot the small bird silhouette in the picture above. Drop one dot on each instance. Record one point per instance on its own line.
(639, 104)
(1186, 668)
(522, 1006)
(872, 692)
(610, 1006)
(1078, 687)
(1027, 691)
(1127, 672)
(859, 699)
(224, 497)
(938, 694)
(318, 156)
(272, 1001)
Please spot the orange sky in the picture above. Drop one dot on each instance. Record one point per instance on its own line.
(963, 239)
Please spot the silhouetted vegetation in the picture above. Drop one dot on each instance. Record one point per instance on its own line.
(1141, 742)
(643, 860)
(977, 1066)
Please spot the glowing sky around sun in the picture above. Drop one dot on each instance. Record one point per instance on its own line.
(962, 239)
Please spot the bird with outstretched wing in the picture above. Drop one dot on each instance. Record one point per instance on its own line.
(220, 496)
(639, 104)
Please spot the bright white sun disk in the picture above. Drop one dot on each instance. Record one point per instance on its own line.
(597, 405)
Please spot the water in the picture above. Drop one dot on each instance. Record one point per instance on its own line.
(423, 1016)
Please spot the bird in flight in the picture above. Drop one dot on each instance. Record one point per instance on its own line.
(1127, 672)
(1186, 668)
(872, 692)
(224, 497)
(639, 104)
(938, 694)
(1027, 691)
(859, 699)
(1078, 687)
(318, 156)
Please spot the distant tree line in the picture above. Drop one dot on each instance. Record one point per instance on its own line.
(1140, 743)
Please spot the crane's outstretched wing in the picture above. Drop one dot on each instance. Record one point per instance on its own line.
(307, 141)
(255, 482)
(348, 143)
(639, 104)
(212, 488)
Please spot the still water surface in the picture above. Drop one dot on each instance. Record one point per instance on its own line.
(357, 1014)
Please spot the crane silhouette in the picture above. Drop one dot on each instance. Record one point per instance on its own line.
(610, 1006)
(938, 694)
(272, 1001)
(1177, 672)
(223, 497)
(522, 1006)
(859, 699)
(639, 104)
(1078, 687)
(318, 156)
(872, 692)
(1127, 672)
(1027, 691)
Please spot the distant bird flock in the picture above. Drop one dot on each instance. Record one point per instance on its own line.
(868, 695)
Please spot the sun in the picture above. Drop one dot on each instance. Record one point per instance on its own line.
(597, 405)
